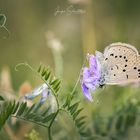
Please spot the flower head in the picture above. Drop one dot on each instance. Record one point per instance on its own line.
(90, 76)
(41, 90)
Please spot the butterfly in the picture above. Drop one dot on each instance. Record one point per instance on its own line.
(118, 64)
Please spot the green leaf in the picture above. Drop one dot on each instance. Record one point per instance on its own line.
(54, 81)
(21, 108)
(29, 110)
(77, 113)
(73, 108)
(6, 111)
(81, 119)
(79, 123)
(43, 71)
(67, 102)
(50, 79)
(84, 134)
(1, 98)
(130, 121)
(15, 108)
(38, 118)
(39, 69)
(119, 122)
(48, 118)
(30, 116)
(47, 75)
(56, 86)
(45, 111)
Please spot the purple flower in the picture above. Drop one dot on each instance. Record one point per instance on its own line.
(41, 90)
(90, 77)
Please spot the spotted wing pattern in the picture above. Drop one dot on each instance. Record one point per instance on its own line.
(123, 64)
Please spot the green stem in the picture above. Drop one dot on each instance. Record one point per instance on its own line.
(51, 123)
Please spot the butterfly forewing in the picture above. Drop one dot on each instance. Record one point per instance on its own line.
(123, 64)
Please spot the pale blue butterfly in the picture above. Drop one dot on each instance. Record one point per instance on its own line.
(119, 64)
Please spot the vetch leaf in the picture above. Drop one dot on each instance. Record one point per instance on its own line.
(73, 107)
(47, 75)
(39, 69)
(29, 110)
(77, 113)
(15, 108)
(21, 108)
(48, 118)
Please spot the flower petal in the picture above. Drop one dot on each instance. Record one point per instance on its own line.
(86, 73)
(92, 63)
(44, 96)
(86, 92)
(36, 92)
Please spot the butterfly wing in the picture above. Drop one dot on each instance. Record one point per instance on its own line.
(123, 64)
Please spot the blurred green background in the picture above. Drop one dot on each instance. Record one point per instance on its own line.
(37, 35)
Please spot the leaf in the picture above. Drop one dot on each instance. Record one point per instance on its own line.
(119, 122)
(29, 110)
(81, 119)
(79, 123)
(48, 118)
(56, 86)
(84, 134)
(130, 121)
(30, 116)
(39, 69)
(77, 113)
(21, 108)
(67, 102)
(47, 75)
(6, 111)
(45, 111)
(43, 72)
(73, 107)
(38, 118)
(1, 98)
(54, 82)
(15, 108)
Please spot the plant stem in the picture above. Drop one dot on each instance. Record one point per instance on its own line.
(49, 134)
(51, 123)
